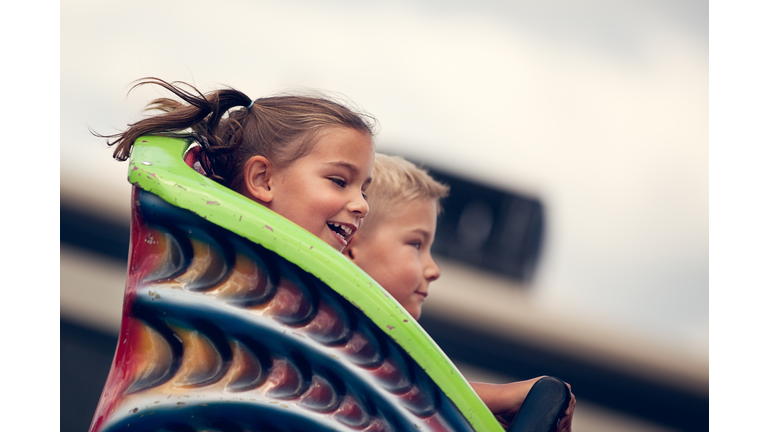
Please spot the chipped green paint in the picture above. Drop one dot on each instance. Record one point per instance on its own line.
(156, 166)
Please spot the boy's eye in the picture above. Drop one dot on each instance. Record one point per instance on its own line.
(365, 197)
(416, 244)
(338, 181)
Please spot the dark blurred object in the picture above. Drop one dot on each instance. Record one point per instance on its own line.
(490, 228)
(85, 358)
(81, 228)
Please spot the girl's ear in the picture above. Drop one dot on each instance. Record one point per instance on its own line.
(258, 181)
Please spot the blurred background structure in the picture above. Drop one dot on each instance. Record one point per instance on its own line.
(575, 135)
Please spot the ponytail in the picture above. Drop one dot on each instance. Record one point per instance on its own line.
(281, 128)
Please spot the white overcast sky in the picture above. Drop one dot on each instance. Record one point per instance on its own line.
(598, 108)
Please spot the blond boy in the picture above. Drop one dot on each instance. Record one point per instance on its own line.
(393, 247)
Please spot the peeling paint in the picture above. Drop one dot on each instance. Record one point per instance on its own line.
(166, 185)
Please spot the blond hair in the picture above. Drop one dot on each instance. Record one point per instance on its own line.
(397, 182)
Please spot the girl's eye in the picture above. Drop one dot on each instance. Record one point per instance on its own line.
(416, 244)
(365, 197)
(338, 181)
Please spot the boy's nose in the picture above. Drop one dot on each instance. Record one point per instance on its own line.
(431, 269)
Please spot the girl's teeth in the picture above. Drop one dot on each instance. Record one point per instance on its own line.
(347, 230)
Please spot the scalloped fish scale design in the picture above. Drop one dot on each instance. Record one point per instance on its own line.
(216, 322)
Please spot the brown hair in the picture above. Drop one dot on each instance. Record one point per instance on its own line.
(396, 182)
(281, 128)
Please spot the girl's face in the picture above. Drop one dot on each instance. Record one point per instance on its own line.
(323, 191)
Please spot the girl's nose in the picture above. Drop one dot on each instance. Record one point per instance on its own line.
(358, 205)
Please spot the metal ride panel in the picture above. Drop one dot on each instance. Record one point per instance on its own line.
(236, 319)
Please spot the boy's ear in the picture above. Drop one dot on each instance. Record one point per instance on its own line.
(257, 178)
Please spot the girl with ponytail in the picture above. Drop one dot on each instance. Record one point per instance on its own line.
(307, 158)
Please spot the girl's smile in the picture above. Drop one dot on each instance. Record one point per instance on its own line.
(323, 191)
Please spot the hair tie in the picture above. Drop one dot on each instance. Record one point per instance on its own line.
(251, 104)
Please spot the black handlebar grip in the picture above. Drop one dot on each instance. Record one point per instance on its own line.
(543, 407)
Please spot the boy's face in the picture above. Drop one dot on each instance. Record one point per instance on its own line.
(396, 254)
